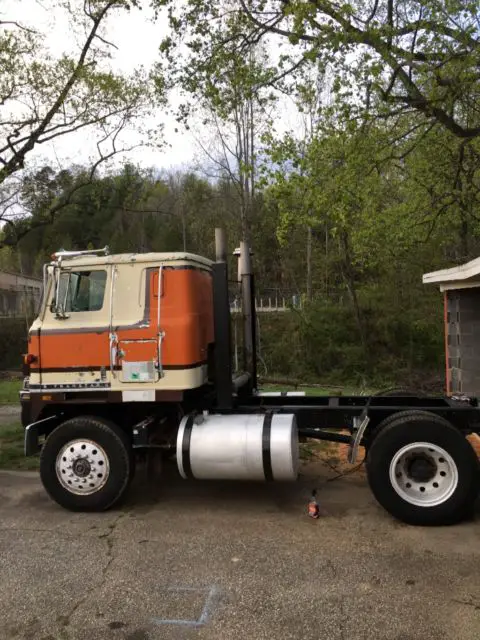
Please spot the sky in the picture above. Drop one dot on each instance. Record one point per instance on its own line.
(137, 39)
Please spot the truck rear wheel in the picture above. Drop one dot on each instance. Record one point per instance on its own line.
(86, 464)
(422, 470)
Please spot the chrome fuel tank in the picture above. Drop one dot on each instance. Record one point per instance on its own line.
(238, 447)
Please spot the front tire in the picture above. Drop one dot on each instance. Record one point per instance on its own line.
(86, 464)
(422, 470)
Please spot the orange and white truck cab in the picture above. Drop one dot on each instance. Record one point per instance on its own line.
(134, 325)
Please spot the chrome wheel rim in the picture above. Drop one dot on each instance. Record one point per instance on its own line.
(423, 474)
(82, 467)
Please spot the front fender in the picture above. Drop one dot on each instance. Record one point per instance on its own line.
(32, 433)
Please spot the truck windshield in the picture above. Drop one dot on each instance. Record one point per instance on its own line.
(81, 291)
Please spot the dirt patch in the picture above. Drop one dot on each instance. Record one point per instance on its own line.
(331, 454)
(475, 442)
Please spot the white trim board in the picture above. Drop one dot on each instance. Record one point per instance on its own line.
(465, 275)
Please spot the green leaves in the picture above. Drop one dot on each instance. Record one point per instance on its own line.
(407, 51)
(43, 97)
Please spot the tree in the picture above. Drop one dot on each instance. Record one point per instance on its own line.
(130, 209)
(310, 102)
(378, 212)
(43, 98)
(415, 55)
(227, 95)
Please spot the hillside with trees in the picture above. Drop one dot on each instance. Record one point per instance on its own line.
(342, 139)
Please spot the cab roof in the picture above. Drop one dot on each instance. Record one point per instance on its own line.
(87, 260)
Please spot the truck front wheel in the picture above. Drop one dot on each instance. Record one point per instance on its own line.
(85, 464)
(422, 470)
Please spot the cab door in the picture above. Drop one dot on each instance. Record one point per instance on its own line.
(138, 340)
(74, 346)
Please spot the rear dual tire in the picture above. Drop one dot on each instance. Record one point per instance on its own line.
(86, 464)
(422, 470)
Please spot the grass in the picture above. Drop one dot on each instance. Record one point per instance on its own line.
(11, 433)
(9, 391)
(11, 449)
(322, 391)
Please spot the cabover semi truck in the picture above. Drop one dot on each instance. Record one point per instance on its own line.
(132, 354)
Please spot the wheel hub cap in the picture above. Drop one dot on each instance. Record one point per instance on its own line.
(421, 469)
(82, 467)
(423, 474)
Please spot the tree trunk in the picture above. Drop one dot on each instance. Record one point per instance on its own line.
(309, 263)
(348, 274)
(184, 230)
(464, 237)
(326, 260)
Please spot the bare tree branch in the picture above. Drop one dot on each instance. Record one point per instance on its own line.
(48, 217)
(17, 160)
(18, 25)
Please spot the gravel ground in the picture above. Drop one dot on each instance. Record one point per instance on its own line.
(229, 561)
(9, 413)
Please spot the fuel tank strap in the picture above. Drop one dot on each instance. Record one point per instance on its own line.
(187, 434)
(266, 451)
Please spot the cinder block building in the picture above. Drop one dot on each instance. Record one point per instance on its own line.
(461, 289)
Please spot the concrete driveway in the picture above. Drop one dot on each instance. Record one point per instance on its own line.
(228, 561)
